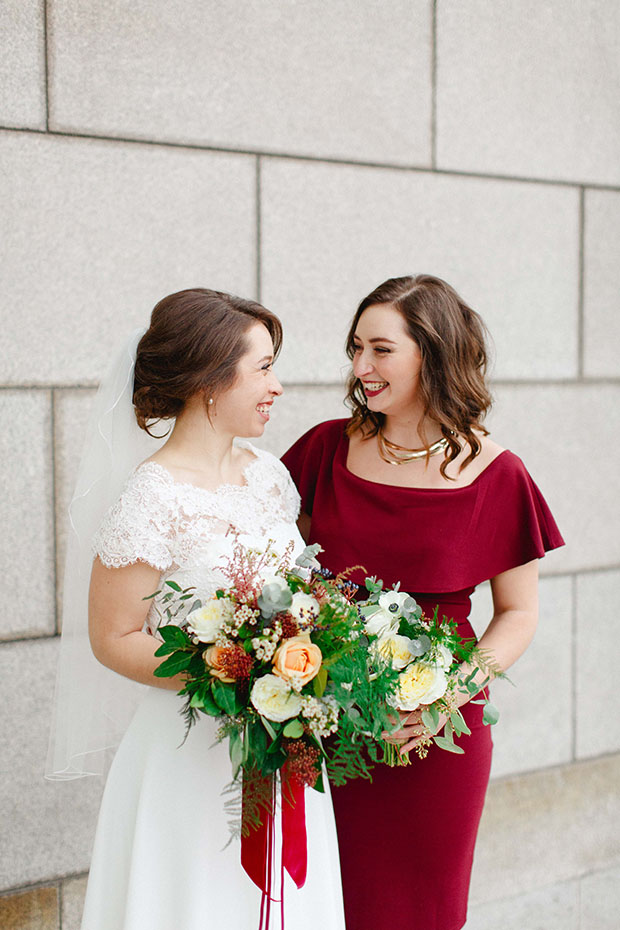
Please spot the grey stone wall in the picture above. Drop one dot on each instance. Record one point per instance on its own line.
(301, 152)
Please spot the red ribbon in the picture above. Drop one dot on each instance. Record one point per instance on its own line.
(258, 844)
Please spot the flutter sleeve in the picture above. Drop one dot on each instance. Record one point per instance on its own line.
(140, 526)
(306, 458)
(514, 524)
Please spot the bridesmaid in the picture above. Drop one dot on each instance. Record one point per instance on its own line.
(413, 488)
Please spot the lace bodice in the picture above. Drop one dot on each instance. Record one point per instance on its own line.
(187, 532)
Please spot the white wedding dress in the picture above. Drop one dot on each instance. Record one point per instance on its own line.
(159, 859)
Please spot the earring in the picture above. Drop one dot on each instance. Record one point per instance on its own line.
(210, 401)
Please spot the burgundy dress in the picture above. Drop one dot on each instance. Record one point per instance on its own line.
(407, 839)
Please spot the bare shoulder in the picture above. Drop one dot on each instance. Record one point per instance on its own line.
(489, 451)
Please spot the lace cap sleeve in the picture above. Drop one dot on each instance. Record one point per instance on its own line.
(139, 527)
(276, 483)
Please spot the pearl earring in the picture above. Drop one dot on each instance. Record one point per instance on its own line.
(210, 401)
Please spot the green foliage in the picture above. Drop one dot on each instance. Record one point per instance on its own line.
(174, 664)
(226, 697)
(319, 682)
(490, 714)
(445, 742)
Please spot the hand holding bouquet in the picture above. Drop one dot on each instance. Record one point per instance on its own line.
(430, 657)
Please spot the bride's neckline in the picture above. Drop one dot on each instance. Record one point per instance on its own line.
(188, 485)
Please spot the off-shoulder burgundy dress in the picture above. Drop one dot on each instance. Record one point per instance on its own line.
(407, 839)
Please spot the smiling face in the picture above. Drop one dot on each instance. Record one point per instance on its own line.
(243, 409)
(386, 360)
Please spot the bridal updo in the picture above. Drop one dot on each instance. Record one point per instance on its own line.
(193, 345)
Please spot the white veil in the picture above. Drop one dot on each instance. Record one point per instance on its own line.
(93, 705)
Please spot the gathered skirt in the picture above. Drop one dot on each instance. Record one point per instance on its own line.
(160, 859)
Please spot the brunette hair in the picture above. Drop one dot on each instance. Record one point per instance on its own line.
(193, 345)
(451, 337)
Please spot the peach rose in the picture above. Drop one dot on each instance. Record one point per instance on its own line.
(297, 660)
(212, 659)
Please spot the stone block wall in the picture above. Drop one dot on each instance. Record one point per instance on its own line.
(300, 153)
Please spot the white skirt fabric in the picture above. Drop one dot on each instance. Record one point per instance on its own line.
(159, 860)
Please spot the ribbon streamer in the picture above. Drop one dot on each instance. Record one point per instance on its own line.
(258, 844)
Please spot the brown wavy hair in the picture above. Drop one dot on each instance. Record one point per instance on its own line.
(193, 345)
(452, 341)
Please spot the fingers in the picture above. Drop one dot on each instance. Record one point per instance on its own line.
(405, 733)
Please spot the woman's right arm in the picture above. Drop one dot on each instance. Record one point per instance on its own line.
(116, 615)
(303, 525)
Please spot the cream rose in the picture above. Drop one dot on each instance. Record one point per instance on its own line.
(274, 699)
(420, 683)
(207, 621)
(397, 649)
(297, 660)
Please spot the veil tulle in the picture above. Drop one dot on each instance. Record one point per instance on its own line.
(92, 704)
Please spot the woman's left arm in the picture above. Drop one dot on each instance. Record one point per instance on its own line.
(511, 630)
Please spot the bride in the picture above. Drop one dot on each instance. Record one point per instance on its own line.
(159, 859)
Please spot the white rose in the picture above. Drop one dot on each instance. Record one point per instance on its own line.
(396, 649)
(274, 699)
(381, 623)
(206, 622)
(304, 608)
(420, 683)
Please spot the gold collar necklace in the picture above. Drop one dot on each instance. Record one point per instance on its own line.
(394, 454)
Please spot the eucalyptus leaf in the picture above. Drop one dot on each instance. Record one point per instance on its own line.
(293, 729)
(490, 715)
(274, 599)
(459, 724)
(174, 586)
(308, 558)
(448, 744)
(430, 718)
(425, 643)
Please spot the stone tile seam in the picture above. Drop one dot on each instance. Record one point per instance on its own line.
(576, 879)
(258, 239)
(54, 481)
(61, 901)
(36, 886)
(53, 882)
(559, 767)
(581, 272)
(572, 184)
(574, 665)
(586, 381)
(434, 84)
(46, 82)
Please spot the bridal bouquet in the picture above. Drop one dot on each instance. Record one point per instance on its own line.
(278, 655)
(428, 655)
